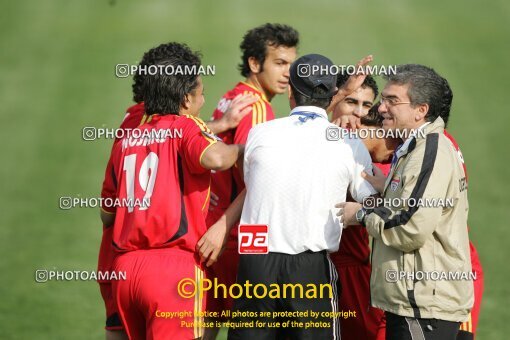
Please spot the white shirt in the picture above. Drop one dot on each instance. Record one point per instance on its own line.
(294, 177)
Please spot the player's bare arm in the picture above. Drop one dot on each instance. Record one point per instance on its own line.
(107, 218)
(238, 108)
(211, 245)
(221, 156)
(352, 84)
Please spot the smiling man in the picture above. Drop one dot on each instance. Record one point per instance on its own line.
(411, 241)
(357, 103)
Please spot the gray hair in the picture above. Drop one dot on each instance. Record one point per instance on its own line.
(425, 87)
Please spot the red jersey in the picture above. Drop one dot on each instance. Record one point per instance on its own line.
(229, 183)
(354, 247)
(457, 148)
(134, 117)
(161, 171)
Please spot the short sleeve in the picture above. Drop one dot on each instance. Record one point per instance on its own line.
(196, 138)
(260, 113)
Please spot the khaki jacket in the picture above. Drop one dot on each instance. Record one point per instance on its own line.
(420, 252)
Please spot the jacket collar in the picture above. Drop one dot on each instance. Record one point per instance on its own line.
(437, 126)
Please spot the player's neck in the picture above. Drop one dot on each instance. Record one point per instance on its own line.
(253, 81)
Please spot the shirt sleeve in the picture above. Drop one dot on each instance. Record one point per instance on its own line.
(359, 187)
(261, 112)
(197, 137)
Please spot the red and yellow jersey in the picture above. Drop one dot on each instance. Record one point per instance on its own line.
(228, 184)
(135, 115)
(161, 187)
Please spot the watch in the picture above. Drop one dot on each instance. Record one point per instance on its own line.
(360, 216)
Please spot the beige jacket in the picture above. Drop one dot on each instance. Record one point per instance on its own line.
(420, 252)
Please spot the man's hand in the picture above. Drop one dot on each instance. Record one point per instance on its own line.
(213, 202)
(238, 108)
(348, 122)
(377, 180)
(352, 84)
(347, 213)
(211, 245)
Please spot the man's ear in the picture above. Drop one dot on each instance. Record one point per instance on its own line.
(186, 103)
(254, 65)
(423, 109)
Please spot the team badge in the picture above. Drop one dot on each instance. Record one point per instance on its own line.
(395, 181)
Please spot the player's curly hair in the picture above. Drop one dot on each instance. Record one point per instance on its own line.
(163, 93)
(256, 41)
(368, 82)
(153, 57)
(426, 86)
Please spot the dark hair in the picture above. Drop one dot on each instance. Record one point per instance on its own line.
(256, 41)
(425, 87)
(368, 82)
(165, 94)
(373, 118)
(302, 100)
(153, 57)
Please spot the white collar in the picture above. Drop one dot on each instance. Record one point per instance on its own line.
(313, 109)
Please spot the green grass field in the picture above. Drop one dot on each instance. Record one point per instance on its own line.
(57, 76)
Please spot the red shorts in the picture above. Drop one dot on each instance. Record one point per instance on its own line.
(148, 301)
(105, 259)
(113, 322)
(225, 270)
(355, 297)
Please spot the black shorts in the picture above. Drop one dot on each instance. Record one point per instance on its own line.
(407, 328)
(290, 317)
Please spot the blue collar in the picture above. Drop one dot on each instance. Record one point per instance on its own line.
(306, 115)
(308, 112)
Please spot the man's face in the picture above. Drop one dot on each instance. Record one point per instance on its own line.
(357, 103)
(195, 99)
(396, 109)
(274, 77)
(381, 149)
